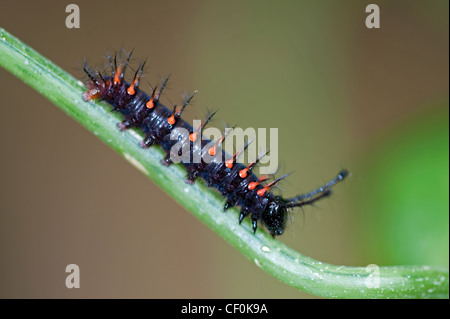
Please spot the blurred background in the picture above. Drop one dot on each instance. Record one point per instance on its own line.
(374, 101)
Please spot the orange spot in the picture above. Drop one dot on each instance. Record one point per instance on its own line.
(212, 151)
(252, 185)
(193, 137)
(150, 104)
(171, 120)
(131, 90)
(117, 75)
(243, 173)
(263, 178)
(262, 191)
(229, 163)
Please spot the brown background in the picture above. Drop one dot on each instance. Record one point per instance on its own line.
(311, 69)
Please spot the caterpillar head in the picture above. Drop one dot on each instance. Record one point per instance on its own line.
(274, 216)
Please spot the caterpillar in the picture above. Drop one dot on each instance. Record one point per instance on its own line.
(235, 181)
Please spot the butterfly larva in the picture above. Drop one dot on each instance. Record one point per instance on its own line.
(236, 182)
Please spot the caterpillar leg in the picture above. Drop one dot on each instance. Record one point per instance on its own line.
(244, 213)
(167, 161)
(254, 224)
(228, 205)
(148, 141)
(125, 125)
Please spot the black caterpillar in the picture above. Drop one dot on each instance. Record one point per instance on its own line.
(234, 181)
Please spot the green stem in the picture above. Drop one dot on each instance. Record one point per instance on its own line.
(271, 255)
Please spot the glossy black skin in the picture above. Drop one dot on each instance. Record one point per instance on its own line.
(275, 215)
(271, 210)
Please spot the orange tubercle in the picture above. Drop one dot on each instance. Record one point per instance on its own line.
(262, 191)
(212, 151)
(171, 120)
(229, 163)
(243, 173)
(117, 75)
(150, 104)
(252, 185)
(193, 137)
(131, 90)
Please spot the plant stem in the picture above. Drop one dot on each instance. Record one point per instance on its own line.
(267, 253)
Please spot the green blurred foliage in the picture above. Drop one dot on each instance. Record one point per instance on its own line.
(404, 203)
